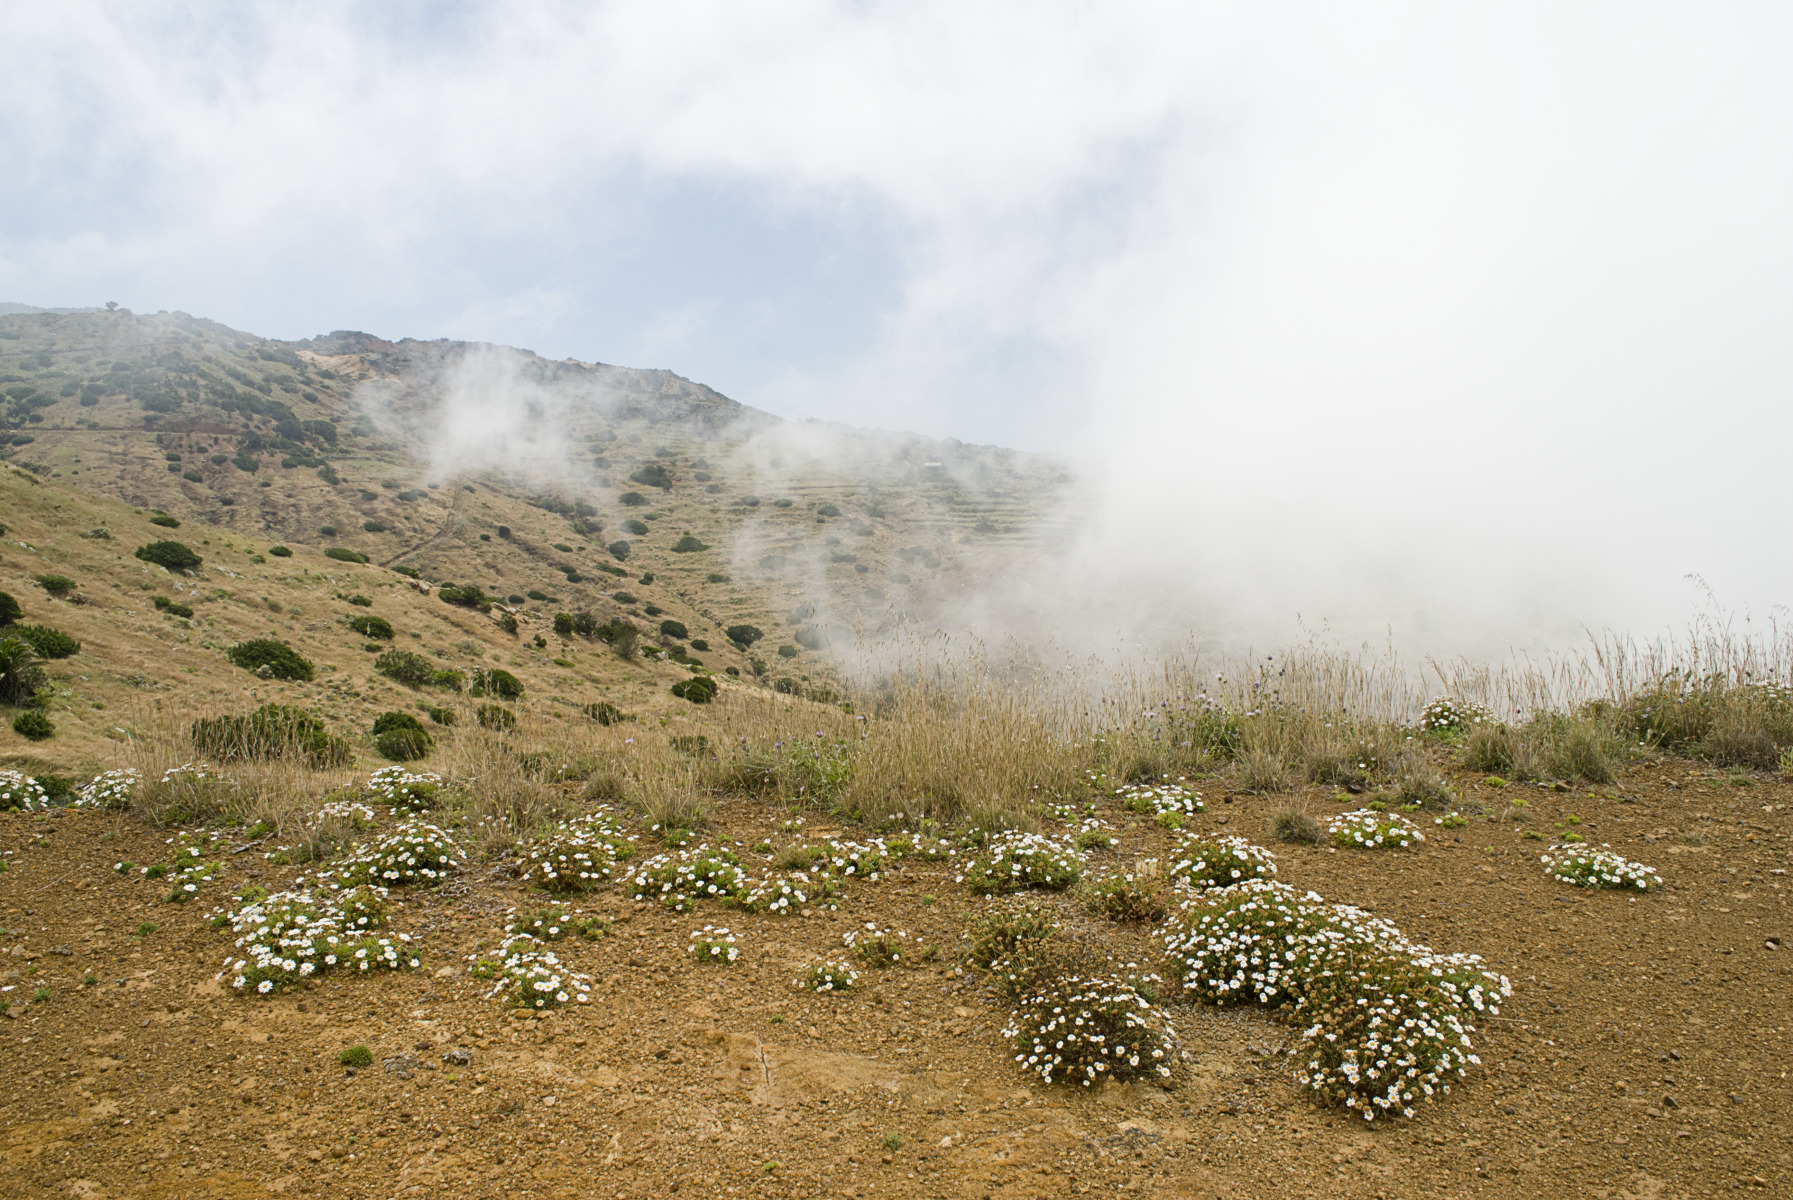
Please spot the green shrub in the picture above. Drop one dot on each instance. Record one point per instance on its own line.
(1290, 825)
(165, 521)
(344, 554)
(652, 475)
(1128, 897)
(360, 601)
(389, 721)
(634, 528)
(496, 682)
(699, 689)
(563, 625)
(49, 643)
(464, 597)
(57, 585)
(164, 604)
(827, 510)
(673, 629)
(1015, 861)
(454, 681)
(403, 745)
(632, 500)
(403, 666)
(271, 731)
(20, 674)
(33, 725)
(172, 555)
(618, 549)
(496, 717)
(688, 545)
(377, 628)
(604, 713)
(373, 527)
(358, 1057)
(280, 551)
(441, 716)
(270, 659)
(10, 611)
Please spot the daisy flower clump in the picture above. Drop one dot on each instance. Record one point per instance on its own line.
(1597, 867)
(19, 791)
(1161, 799)
(1379, 1036)
(110, 789)
(404, 790)
(1013, 862)
(1083, 1030)
(1369, 829)
(681, 880)
(415, 852)
(554, 922)
(1248, 942)
(827, 975)
(714, 944)
(357, 816)
(291, 936)
(579, 855)
(877, 947)
(1446, 714)
(189, 870)
(1093, 834)
(861, 860)
(1213, 861)
(533, 977)
(782, 895)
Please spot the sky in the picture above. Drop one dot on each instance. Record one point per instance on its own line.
(1472, 323)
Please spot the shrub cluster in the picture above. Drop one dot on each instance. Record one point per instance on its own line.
(377, 628)
(175, 556)
(49, 643)
(1084, 1030)
(827, 975)
(404, 790)
(1160, 799)
(530, 976)
(1128, 897)
(556, 921)
(714, 944)
(1446, 714)
(112, 790)
(495, 682)
(271, 731)
(415, 852)
(875, 946)
(699, 689)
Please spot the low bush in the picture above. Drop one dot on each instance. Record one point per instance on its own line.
(172, 555)
(403, 666)
(532, 977)
(1290, 825)
(173, 609)
(344, 554)
(632, 500)
(688, 545)
(288, 938)
(496, 717)
(110, 790)
(1085, 1030)
(20, 675)
(555, 922)
(270, 659)
(355, 1057)
(403, 789)
(377, 628)
(33, 725)
(441, 716)
(618, 549)
(415, 852)
(743, 635)
(495, 682)
(57, 585)
(877, 947)
(1446, 715)
(604, 713)
(464, 597)
(579, 855)
(165, 521)
(10, 611)
(271, 731)
(280, 551)
(673, 629)
(827, 975)
(1125, 897)
(403, 745)
(1248, 942)
(699, 689)
(680, 881)
(49, 643)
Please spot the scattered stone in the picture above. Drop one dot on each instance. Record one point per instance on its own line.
(460, 1056)
(399, 1064)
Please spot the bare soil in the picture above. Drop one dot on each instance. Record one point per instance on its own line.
(1643, 1054)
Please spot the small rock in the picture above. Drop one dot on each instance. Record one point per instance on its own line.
(301, 1006)
(400, 1065)
(460, 1056)
(1669, 1102)
(314, 1155)
(339, 1152)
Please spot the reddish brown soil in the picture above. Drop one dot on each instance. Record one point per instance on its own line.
(1644, 1052)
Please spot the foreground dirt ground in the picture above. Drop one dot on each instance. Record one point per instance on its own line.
(1644, 1052)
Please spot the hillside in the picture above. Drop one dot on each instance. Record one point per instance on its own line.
(482, 465)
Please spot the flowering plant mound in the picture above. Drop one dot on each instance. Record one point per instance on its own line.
(357, 816)
(827, 975)
(1451, 820)
(1009, 940)
(579, 855)
(1370, 829)
(1082, 1030)
(918, 845)
(189, 792)
(18, 790)
(1244, 942)
(877, 947)
(1014, 861)
(1210, 860)
(554, 922)
(782, 895)
(404, 790)
(1142, 897)
(1160, 799)
(415, 852)
(1445, 713)
(1380, 1036)
(1092, 834)
(1588, 866)
(531, 976)
(714, 944)
(110, 789)
(680, 880)
(290, 936)
(863, 860)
